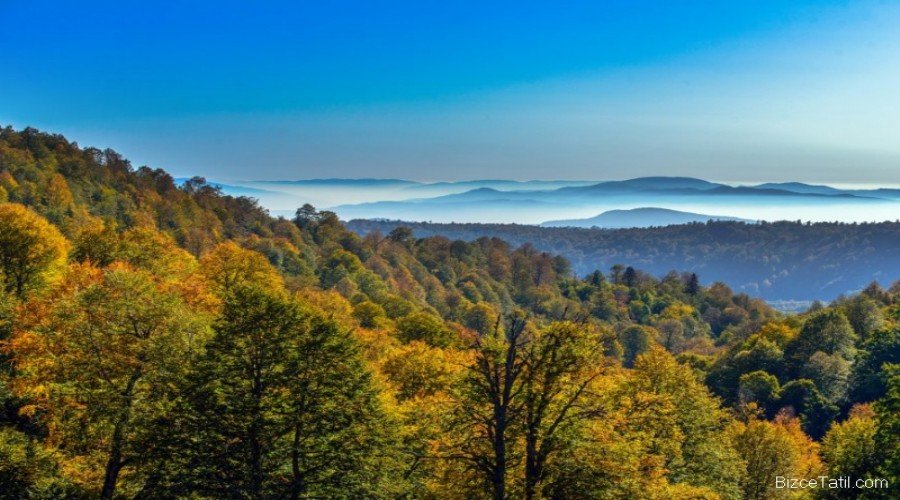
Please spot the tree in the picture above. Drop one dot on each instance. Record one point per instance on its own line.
(831, 374)
(887, 435)
(97, 356)
(879, 349)
(425, 327)
(770, 450)
(848, 449)
(671, 334)
(629, 277)
(692, 287)
(228, 266)
(828, 331)
(31, 249)
(693, 449)
(524, 392)
(759, 387)
(491, 404)
(401, 234)
(279, 405)
(815, 411)
(28, 470)
(306, 216)
(561, 361)
(635, 341)
(369, 314)
(864, 315)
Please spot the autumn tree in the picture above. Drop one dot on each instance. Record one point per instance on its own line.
(525, 391)
(561, 361)
(491, 404)
(771, 449)
(96, 356)
(692, 448)
(849, 449)
(228, 266)
(30, 248)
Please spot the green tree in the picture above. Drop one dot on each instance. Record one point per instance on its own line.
(864, 315)
(759, 387)
(831, 374)
(635, 341)
(425, 327)
(815, 410)
(879, 349)
(887, 435)
(280, 405)
(827, 331)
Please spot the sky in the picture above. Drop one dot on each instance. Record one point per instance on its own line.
(733, 91)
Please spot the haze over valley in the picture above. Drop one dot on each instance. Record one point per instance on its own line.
(539, 202)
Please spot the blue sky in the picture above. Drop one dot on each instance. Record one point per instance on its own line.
(731, 91)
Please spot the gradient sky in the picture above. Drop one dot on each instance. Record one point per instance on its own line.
(734, 91)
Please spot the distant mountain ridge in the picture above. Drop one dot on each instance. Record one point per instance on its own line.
(639, 217)
(686, 194)
(539, 201)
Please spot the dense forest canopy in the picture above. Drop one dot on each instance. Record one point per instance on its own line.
(167, 341)
(778, 261)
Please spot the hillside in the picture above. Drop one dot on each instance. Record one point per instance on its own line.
(163, 340)
(776, 261)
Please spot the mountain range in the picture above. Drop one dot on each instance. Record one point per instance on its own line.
(639, 217)
(536, 202)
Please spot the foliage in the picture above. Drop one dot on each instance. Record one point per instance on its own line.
(191, 345)
(30, 248)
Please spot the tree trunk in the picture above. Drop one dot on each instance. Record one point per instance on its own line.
(114, 464)
(255, 464)
(499, 479)
(297, 484)
(531, 465)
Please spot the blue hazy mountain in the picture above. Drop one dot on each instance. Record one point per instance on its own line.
(345, 183)
(534, 202)
(443, 188)
(648, 184)
(639, 217)
(684, 194)
(799, 187)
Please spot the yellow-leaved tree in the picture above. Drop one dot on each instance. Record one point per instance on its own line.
(31, 249)
(97, 357)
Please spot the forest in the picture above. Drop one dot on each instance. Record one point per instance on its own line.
(163, 340)
(785, 260)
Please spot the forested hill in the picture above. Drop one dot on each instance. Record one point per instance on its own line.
(167, 341)
(775, 261)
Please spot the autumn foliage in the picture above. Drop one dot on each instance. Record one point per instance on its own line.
(163, 340)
